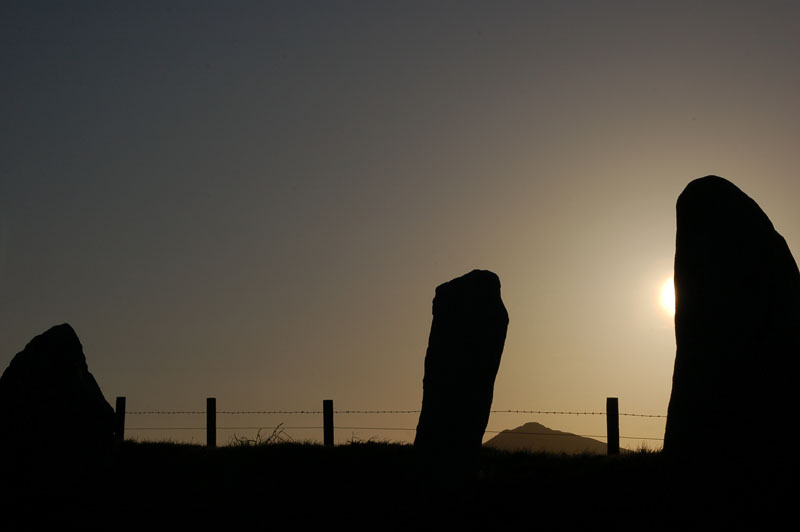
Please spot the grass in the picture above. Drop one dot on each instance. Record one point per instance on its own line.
(278, 436)
(269, 482)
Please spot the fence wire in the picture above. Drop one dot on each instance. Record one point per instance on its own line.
(282, 427)
(294, 412)
(407, 429)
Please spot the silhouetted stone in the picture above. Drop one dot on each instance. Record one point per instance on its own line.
(464, 349)
(737, 326)
(48, 398)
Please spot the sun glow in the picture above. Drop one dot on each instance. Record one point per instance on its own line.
(666, 297)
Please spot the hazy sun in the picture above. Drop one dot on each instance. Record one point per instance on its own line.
(666, 296)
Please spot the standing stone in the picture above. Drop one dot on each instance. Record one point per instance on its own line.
(464, 349)
(49, 399)
(737, 326)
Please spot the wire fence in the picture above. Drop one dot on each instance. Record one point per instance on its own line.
(283, 427)
(561, 412)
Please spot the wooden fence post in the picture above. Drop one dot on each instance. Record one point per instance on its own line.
(327, 422)
(612, 424)
(211, 421)
(119, 424)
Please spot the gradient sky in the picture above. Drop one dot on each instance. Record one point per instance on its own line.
(256, 200)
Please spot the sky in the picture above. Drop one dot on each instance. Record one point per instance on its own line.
(255, 201)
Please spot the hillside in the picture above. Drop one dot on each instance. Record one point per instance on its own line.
(535, 437)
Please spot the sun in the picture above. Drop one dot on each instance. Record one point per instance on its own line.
(666, 297)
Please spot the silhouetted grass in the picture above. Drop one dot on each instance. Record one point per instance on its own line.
(267, 484)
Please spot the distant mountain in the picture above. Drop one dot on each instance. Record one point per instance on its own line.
(535, 437)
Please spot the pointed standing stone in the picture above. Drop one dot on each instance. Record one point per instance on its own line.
(49, 399)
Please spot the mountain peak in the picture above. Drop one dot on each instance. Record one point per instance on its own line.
(535, 437)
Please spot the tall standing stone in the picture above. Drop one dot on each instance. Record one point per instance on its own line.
(49, 399)
(464, 349)
(737, 326)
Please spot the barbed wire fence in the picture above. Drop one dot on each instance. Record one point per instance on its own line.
(328, 412)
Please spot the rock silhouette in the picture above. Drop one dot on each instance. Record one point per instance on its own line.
(737, 324)
(49, 398)
(464, 349)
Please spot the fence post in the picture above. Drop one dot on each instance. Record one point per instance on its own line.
(327, 422)
(119, 421)
(211, 421)
(612, 424)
